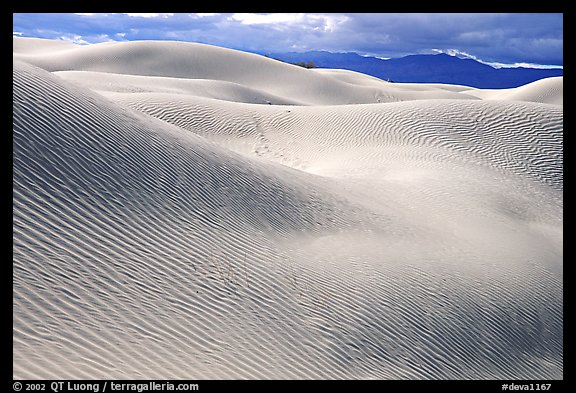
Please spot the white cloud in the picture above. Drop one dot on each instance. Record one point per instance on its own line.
(148, 15)
(132, 15)
(74, 38)
(318, 22)
(464, 55)
(456, 53)
(378, 57)
(524, 65)
(104, 38)
(259, 19)
(333, 21)
(85, 39)
(95, 15)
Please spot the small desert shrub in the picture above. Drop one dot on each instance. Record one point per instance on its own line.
(310, 64)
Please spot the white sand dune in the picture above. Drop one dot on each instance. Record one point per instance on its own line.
(222, 90)
(188, 211)
(546, 91)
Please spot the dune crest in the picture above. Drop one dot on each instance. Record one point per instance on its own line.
(182, 211)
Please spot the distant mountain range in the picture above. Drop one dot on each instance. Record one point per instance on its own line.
(438, 68)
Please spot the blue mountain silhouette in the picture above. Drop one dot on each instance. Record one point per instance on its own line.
(437, 68)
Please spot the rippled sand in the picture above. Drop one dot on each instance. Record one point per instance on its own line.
(188, 211)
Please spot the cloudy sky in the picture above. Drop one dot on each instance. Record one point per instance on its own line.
(498, 39)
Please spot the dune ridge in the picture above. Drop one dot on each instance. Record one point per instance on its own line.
(187, 211)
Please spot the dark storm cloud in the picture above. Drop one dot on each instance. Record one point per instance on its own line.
(491, 37)
(504, 38)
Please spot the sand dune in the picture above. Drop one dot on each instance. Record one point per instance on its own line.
(222, 90)
(546, 91)
(339, 140)
(187, 211)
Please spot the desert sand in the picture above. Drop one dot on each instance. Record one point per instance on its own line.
(188, 211)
